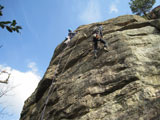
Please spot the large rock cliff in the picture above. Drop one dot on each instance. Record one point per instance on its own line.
(121, 84)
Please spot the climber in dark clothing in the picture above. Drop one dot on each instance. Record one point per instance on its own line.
(97, 36)
(70, 36)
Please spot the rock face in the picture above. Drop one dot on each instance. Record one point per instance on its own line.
(122, 84)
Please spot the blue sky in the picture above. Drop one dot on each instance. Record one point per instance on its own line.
(45, 24)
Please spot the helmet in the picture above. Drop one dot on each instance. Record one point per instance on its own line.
(69, 30)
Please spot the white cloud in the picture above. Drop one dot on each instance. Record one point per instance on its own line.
(33, 66)
(113, 8)
(91, 12)
(22, 84)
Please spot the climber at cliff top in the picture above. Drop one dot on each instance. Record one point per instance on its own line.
(70, 36)
(97, 36)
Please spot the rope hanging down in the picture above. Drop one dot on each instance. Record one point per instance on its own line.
(50, 90)
(54, 76)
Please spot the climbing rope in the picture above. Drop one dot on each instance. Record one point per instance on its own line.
(51, 87)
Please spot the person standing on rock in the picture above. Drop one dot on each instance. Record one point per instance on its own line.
(97, 36)
(70, 36)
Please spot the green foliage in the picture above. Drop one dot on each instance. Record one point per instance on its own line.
(1, 7)
(141, 7)
(9, 25)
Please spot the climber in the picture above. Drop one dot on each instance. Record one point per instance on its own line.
(70, 36)
(97, 36)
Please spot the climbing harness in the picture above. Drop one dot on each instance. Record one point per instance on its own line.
(54, 76)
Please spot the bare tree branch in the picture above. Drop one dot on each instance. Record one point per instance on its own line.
(6, 80)
(4, 91)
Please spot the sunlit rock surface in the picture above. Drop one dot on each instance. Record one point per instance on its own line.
(122, 84)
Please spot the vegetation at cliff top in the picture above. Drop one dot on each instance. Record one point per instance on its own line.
(141, 7)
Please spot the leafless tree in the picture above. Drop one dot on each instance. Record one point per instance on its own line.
(6, 80)
(4, 91)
